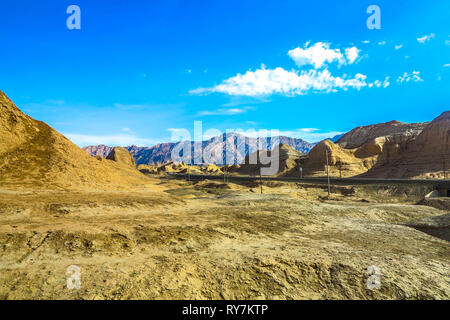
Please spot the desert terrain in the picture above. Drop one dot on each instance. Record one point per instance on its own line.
(150, 235)
(210, 240)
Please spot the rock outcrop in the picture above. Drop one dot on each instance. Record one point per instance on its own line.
(121, 155)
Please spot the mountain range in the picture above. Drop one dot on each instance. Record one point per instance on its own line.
(239, 147)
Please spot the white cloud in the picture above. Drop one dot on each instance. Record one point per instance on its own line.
(263, 82)
(308, 129)
(365, 41)
(352, 54)
(399, 46)
(110, 140)
(426, 38)
(446, 65)
(224, 111)
(126, 129)
(316, 55)
(312, 136)
(176, 131)
(307, 134)
(319, 54)
(382, 43)
(377, 83)
(413, 77)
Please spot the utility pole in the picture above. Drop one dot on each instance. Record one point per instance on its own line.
(328, 173)
(260, 182)
(301, 173)
(340, 170)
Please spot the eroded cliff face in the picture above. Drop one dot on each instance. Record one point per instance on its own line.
(360, 135)
(435, 137)
(388, 150)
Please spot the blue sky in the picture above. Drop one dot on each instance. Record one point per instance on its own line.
(138, 70)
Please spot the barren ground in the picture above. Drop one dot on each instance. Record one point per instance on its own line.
(210, 241)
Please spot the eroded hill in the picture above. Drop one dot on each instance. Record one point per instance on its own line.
(34, 155)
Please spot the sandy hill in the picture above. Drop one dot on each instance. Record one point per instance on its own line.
(32, 154)
(288, 161)
(348, 162)
(360, 135)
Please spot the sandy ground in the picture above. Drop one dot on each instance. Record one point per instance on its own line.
(215, 241)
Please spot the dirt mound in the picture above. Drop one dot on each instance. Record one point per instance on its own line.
(211, 168)
(172, 167)
(212, 185)
(437, 226)
(34, 155)
(146, 169)
(122, 155)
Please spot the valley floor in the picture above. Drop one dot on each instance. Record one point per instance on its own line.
(213, 241)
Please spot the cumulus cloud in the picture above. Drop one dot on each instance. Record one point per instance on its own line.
(382, 43)
(319, 54)
(263, 82)
(399, 46)
(426, 38)
(366, 41)
(412, 77)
